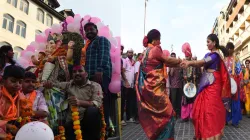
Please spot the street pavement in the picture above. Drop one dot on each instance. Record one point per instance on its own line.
(185, 131)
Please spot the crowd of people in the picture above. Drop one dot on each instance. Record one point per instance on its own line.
(159, 81)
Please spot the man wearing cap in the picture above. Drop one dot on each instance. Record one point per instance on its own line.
(189, 75)
(131, 104)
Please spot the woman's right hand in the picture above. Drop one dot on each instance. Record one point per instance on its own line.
(185, 63)
(48, 84)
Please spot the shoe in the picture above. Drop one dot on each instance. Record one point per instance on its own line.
(123, 123)
(235, 125)
(131, 120)
(226, 123)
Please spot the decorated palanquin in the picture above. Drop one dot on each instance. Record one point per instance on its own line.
(57, 69)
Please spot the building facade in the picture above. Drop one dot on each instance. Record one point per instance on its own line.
(235, 27)
(21, 20)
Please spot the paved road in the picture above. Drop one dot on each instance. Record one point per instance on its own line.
(185, 131)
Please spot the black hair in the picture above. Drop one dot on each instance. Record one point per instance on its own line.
(247, 61)
(13, 71)
(3, 52)
(30, 75)
(153, 35)
(214, 38)
(230, 45)
(43, 53)
(90, 24)
(172, 53)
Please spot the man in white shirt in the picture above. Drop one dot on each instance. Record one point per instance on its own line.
(131, 105)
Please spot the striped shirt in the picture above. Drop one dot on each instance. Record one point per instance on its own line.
(98, 57)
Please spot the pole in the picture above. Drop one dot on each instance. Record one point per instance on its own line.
(145, 15)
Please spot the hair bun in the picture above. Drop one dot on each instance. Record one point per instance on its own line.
(145, 41)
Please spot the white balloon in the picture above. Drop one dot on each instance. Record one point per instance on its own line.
(35, 131)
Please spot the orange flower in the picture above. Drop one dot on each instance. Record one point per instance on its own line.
(75, 118)
(61, 128)
(76, 127)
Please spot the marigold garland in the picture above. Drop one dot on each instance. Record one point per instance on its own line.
(26, 111)
(76, 123)
(9, 137)
(103, 130)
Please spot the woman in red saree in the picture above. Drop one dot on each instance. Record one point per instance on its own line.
(155, 111)
(209, 113)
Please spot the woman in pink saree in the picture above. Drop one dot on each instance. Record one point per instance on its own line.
(156, 114)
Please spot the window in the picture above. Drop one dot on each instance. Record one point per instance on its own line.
(38, 32)
(17, 52)
(24, 6)
(12, 2)
(49, 20)
(21, 28)
(8, 22)
(40, 15)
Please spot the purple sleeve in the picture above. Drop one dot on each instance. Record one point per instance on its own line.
(211, 60)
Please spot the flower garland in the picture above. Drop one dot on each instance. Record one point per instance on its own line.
(103, 130)
(76, 123)
(61, 136)
(26, 111)
(77, 126)
(9, 137)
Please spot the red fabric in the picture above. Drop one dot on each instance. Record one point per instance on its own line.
(209, 113)
(226, 85)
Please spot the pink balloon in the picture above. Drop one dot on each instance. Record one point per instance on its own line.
(166, 52)
(22, 53)
(104, 31)
(99, 25)
(115, 86)
(95, 20)
(35, 44)
(39, 38)
(27, 55)
(69, 19)
(77, 18)
(70, 27)
(23, 62)
(87, 17)
(117, 68)
(31, 48)
(47, 31)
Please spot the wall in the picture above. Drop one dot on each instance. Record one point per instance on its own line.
(30, 20)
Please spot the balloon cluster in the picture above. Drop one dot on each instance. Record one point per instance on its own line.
(76, 24)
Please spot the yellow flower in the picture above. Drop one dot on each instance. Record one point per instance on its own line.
(61, 131)
(75, 113)
(63, 138)
(76, 122)
(19, 119)
(78, 132)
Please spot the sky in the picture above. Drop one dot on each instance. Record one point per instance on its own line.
(179, 21)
